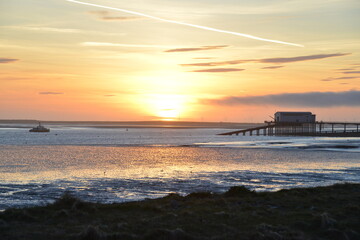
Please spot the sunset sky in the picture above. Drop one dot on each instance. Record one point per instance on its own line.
(62, 60)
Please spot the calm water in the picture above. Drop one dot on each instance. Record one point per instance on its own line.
(118, 164)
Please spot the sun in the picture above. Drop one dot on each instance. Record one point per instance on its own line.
(168, 113)
(167, 107)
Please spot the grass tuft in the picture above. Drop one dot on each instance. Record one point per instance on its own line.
(238, 191)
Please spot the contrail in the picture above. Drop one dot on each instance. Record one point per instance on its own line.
(187, 24)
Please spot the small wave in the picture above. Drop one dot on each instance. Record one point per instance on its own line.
(279, 143)
(13, 166)
(330, 146)
(120, 190)
(323, 144)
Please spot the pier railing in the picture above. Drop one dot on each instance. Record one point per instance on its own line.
(334, 129)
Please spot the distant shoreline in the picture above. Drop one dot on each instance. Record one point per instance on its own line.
(126, 124)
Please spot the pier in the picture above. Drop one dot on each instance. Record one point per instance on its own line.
(326, 129)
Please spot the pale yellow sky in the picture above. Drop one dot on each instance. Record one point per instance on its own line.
(66, 61)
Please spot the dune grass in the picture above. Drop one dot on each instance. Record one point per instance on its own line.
(331, 212)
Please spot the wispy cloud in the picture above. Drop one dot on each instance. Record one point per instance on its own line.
(60, 30)
(269, 60)
(46, 29)
(106, 16)
(203, 58)
(186, 24)
(51, 93)
(338, 78)
(353, 67)
(345, 69)
(307, 99)
(203, 48)
(109, 95)
(351, 72)
(8, 60)
(301, 58)
(214, 64)
(219, 70)
(107, 44)
(272, 67)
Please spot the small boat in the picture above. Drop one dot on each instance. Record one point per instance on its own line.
(39, 128)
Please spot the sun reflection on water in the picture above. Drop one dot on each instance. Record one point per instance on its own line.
(29, 163)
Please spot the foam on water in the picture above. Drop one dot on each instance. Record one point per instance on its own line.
(306, 143)
(120, 190)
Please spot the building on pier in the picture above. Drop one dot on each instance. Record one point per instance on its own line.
(294, 117)
(301, 124)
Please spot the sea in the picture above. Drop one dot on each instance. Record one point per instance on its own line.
(118, 164)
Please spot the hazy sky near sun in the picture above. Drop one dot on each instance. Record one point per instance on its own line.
(61, 60)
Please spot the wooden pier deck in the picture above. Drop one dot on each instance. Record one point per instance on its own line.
(326, 129)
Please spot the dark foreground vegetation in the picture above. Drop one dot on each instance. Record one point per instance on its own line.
(309, 213)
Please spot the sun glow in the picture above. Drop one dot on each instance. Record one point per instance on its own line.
(167, 107)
